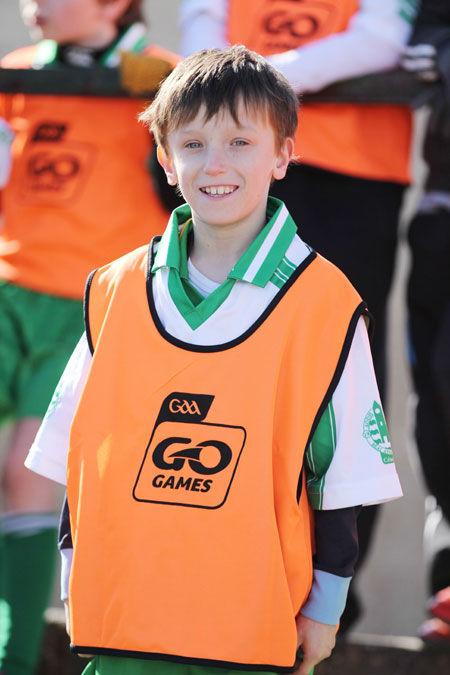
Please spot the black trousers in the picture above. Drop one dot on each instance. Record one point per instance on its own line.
(353, 222)
(429, 333)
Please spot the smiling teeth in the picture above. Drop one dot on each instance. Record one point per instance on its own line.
(218, 190)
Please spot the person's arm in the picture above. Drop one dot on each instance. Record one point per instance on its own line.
(428, 57)
(203, 25)
(372, 42)
(336, 538)
(348, 463)
(336, 554)
(48, 454)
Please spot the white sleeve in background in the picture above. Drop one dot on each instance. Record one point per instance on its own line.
(373, 42)
(203, 25)
(48, 454)
(6, 139)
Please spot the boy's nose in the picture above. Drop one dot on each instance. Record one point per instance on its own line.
(214, 162)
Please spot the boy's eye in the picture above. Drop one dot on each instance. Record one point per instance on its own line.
(193, 145)
(239, 141)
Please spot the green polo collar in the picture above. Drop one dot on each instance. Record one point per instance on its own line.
(263, 261)
(256, 266)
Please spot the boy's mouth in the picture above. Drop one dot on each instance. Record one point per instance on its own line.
(218, 190)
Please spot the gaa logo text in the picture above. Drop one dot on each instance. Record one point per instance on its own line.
(183, 407)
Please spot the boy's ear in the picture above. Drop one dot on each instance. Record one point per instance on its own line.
(167, 164)
(283, 158)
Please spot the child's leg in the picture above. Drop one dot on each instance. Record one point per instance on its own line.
(28, 560)
(37, 335)
(29, 527)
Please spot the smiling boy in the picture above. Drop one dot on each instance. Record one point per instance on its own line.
(223, 388)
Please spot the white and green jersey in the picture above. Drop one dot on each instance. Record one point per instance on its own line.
(349, 460)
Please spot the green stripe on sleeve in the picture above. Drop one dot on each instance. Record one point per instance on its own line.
(319, 456)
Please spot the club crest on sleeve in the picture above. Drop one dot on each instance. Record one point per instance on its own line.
(54, 403)
(376, 434)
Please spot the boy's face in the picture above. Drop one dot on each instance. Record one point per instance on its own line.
(224, 169)
(75, 21)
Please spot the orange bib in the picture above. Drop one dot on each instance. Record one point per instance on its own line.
(368, 141)
(79, 194)
(189, 514)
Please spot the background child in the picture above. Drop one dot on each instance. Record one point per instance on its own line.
(231, 387)
(78, 196)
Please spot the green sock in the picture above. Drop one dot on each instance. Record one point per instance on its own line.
(27, 569)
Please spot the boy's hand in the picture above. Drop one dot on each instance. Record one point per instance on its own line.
(316, 641)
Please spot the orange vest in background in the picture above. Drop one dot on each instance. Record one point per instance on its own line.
(189, 513)
(367, 141)
(80, 194)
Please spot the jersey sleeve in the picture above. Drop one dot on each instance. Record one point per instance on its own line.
(376, 34)
(203, 25)
(48, 454)
(349, 461)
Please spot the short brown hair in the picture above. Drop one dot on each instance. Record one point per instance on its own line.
(219, 79)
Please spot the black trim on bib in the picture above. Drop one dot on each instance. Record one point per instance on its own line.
(151, 256)
(370, 324)
(361, 310)
(150, 656)
(87, 291)
(232, 343)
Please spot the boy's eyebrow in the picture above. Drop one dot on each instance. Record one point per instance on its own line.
(191, 130)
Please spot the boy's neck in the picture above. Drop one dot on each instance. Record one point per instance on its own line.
(102, 39)
(216, 249)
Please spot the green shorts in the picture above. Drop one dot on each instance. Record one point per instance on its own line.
(38, 333)
(114, 665)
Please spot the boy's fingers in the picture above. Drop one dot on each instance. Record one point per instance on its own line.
(305, 668)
